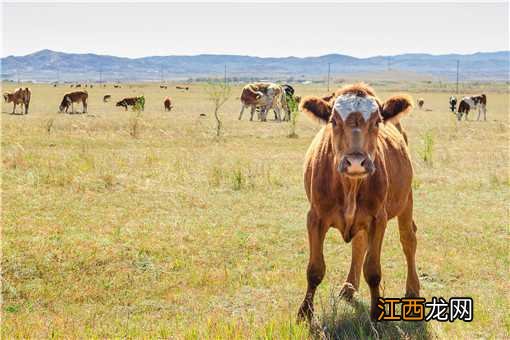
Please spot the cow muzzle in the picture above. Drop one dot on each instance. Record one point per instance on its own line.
(356, 165)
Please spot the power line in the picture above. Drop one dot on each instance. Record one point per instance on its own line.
(458, 76)
(329, 73)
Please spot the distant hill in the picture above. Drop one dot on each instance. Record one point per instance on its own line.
(47, 65)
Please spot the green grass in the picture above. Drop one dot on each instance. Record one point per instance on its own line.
(177, 233)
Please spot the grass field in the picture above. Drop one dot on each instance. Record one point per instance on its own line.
(178, 234)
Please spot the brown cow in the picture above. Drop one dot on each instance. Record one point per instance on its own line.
(168, 104)
(358, 176)
(420, 103)
(186, 88)
(19, 96)
(107, 98)
(127, 102)
(264, 96)
(74, 97)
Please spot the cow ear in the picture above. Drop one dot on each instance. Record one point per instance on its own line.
(394, 108)
(316, 108)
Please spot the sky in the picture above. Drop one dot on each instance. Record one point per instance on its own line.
(130, 29)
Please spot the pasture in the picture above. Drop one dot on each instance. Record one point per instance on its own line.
(121, 226)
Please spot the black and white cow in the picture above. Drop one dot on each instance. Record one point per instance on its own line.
(473, 103)
(453, 103)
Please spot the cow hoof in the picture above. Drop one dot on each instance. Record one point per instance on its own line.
(347, 291)
(412, 295)
(305, 312)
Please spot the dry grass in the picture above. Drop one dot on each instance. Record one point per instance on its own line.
(176, 233)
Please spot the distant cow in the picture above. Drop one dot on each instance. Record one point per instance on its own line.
(265, 96)
(77, 85)
(420, 102)
(71, 85)
(116, 86)
(74, 97)
(289, 90)
(163, 86)
(168, 104)
(453, 103)
(127, 102)
(472, 103)
(19, 96)
(186, 88)
(107, 98)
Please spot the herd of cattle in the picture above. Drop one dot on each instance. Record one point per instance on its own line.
(259, 97)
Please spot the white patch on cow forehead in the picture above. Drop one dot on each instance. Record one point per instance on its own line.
(349, 103)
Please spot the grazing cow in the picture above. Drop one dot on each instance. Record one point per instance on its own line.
(472, 103)
(265, 96)
(168, 104)
(19, 97)
(289, 90)
(420, 103)
(107, 98)
(77, 85)
(127, 102)
(163, 86)
(71, 85)
(116, 86)
(358, 175)
(453, 103)
(74, 97)
(186, 88)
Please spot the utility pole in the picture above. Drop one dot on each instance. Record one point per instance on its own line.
(458, 77)
(329, 73)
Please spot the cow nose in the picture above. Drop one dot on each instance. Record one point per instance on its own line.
(354, 164)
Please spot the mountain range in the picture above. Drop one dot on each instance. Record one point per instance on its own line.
(50, 66)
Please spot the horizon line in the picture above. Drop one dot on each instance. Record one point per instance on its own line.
(254, 56)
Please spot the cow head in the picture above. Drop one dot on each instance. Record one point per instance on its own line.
(354, 114)
(6, 97)
(66, 102)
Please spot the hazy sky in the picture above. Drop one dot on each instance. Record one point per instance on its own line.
(263, 29)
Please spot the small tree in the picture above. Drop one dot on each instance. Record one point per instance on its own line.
(294, 113)
(135, 122)
(218, 94)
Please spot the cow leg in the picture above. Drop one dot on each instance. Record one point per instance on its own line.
(359, 249)
(252, 112)
(316, 266)
(14, 108)
(26, 108)
(372, 265)
(407, 231)
(484, 113)
(241, 113)
(84, 107)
